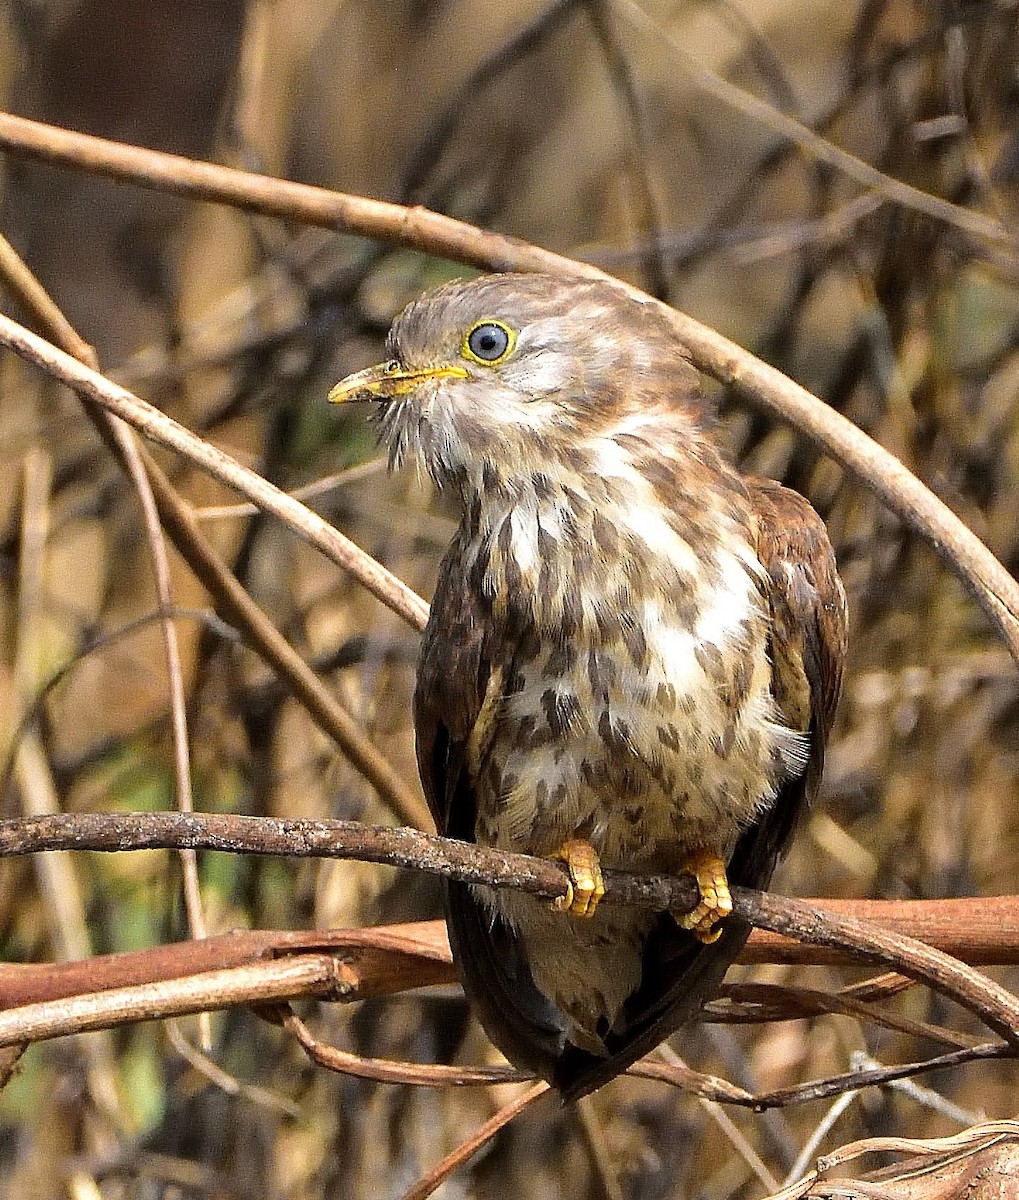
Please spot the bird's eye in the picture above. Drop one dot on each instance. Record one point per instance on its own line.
(488, 342)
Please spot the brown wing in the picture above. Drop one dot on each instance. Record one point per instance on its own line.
(808, 645)
(460, 650)
(452, 674)
(807, 599)
(808, 640)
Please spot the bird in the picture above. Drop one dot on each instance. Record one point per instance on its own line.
(632, 658)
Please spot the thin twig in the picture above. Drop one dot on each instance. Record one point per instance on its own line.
(431, 146)
(816, 1089)
(222, 1079)
(927, 1097)
(175, 673)
(310, 491)
(726, 1124)
(637, 144)
(593, 1135)
(32, 710)
(817, 1136)
(381, 1070)
(237, 607)
(428, 1184)
(754, 1003)
(789, 129)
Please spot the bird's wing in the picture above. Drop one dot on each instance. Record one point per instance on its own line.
(460, 651)
(808, 650)
(808, 646)
(452, 675)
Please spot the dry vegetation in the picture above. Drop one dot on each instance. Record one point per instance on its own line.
(592, 129)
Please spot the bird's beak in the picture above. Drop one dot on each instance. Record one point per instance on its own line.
(388, 380)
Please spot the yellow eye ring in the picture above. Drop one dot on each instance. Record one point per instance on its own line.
(488, 342)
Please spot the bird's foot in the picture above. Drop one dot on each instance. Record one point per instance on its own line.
(715, 904)
(586, 886)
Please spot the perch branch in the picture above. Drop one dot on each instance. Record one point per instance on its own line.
(540, 877)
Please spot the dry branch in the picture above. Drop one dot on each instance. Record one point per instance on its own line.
(260, 983)
(147, 419)
(868, 942)
(267, 969)
(993, 587)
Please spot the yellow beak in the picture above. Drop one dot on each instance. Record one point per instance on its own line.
(388, 380)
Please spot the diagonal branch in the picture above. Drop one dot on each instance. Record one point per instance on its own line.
(880, 471)
(148, 419)
(179, 520)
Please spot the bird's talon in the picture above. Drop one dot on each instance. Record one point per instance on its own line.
(715, 904)
(586, 886)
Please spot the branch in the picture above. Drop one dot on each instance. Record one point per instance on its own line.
(994, 588)
(261, 983)
(438, 1175)
(710, 1087)
(267, 969)
(868, 942)
(148, 419)
(297, 838)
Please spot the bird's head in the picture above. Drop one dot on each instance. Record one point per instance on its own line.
(513, 367)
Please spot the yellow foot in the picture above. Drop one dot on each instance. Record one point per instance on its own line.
(704, 922)
(585, 888)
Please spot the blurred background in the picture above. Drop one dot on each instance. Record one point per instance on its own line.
(588, 128)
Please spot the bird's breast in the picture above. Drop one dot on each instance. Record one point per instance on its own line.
(634, 704)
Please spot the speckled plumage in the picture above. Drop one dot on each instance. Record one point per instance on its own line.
(601, 660)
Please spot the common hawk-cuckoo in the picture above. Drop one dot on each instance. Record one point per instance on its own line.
(632, 659)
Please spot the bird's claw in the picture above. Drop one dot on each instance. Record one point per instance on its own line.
(586, 886)
(715, 904)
